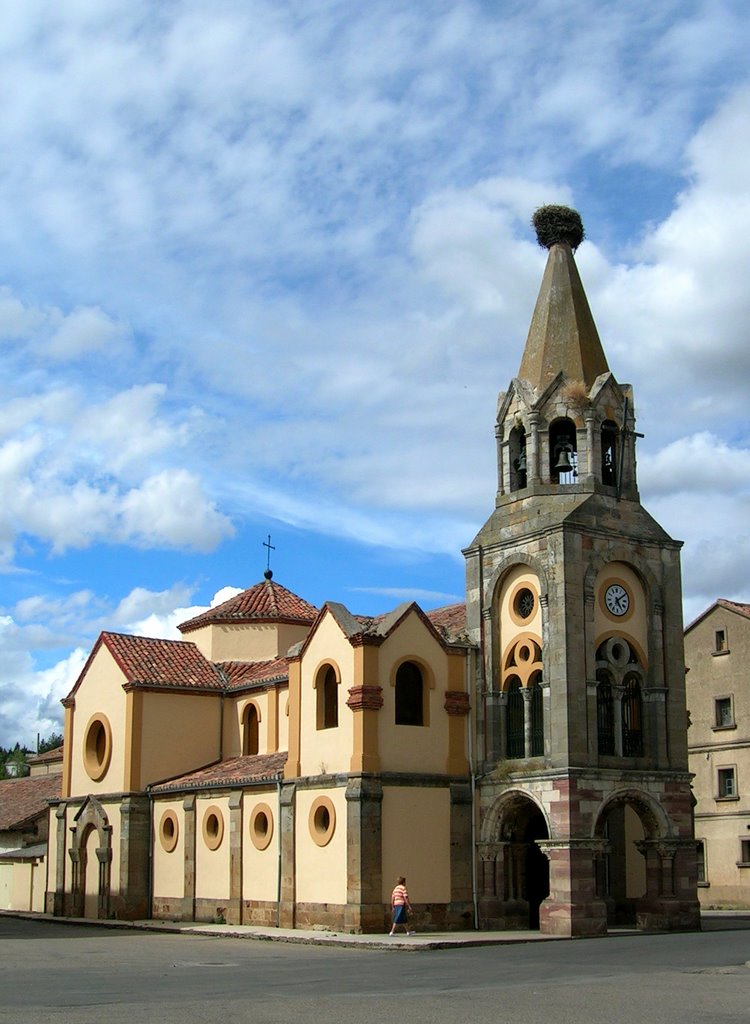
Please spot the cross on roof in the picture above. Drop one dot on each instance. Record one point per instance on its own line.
(267, 544)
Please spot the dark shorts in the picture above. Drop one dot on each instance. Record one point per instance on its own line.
(399, 915)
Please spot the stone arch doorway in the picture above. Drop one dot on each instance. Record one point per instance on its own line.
(633, 831)
(515, 875)
(91, 857)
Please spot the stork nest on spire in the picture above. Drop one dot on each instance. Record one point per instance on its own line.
(558, 224)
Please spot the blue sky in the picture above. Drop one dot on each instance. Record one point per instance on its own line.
(265, 266)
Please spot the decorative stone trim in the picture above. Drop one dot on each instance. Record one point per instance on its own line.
(97, 747)
(365, 698)
(213, 827)
(261, 826)
(457, 702)
(322, 820)
(169, 831)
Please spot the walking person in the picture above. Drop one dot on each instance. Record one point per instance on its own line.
(401, 906)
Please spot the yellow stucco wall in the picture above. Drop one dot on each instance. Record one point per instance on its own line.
(246, 642)
(518, 576)
(211, 866)
(413, 748)
(326, 750)
(321, 870)
(6, 886)
(169, 868)
(632, 626)
(416, 842)
(180, 732)
(260, 867)
(100, 692)
(22, 885)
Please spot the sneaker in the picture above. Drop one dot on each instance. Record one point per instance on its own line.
(411, 933)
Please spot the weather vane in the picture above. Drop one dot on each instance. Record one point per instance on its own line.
(267, 544)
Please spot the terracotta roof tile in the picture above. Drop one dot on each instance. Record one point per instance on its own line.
(450, 620)
(56, 754)
(265, 602)
(248, 673)
(735, 606)
(178, 663)
(22, 800)
(235, 771)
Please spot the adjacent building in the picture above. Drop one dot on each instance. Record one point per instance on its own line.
(717, 653)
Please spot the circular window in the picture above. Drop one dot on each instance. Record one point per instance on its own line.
(524, 602)
(97, 747)
(169, 831)
(322, 820)
(213, 828)
(261, 826)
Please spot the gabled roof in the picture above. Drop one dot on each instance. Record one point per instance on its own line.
(265, 602)
(562, 335)
(450, 620)
(23, 800)
(48, 757)
(235, 771)
(240, 674)
(146, 661)
(730, 606)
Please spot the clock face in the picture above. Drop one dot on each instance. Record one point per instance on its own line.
(617, 599)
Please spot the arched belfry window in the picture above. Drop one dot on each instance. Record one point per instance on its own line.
(563, 452)
(609, 453)
(605, 713)
(250, 739)
(517, 451)
(327, 698)
(536, 708)
(632, 718)
(409, 695)
(514, 719)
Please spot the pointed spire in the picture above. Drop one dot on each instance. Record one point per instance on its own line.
(562, 335)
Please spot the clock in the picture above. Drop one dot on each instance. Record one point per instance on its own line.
(617, 599)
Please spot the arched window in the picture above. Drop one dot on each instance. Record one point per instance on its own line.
(514, 720)
(563, 452)
(605, 714)
(328, 698)
(517, 452)
(632, 718)
(250, 730)
(409, 695)
(537, 716)
(609, 453)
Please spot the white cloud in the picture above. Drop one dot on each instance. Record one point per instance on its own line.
(84, 331)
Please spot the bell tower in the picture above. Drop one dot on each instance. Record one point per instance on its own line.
(574, 596)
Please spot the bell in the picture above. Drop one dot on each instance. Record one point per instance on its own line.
(521, 461)
(563, 464)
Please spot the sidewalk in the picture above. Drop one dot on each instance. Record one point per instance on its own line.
(710, 920)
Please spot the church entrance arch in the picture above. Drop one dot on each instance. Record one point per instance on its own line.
(519, 883)
(91, 857)
(630, 825)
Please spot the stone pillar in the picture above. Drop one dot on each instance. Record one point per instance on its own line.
(503, 464)
(617, 692)
(461, 910)
(593, 449)
(491, 884)
(572, 907)
(188, 898)
(533, 452)
(670, 902)
(526, 694)
(234, 909)
(288, 858)
(365, 911)
(135, 837)
(58, 900)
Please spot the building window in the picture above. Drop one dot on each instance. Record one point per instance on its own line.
(518, 476)
(97, 747)
(536, 705)
(700, 850)
(605, 715)
(563, 452)
(322, 820)
(261, 826)
(727, 784)
(744, 861)
(720, 642)
(609, 453)
(632, 719)
(514, 720)
(409, 695)
(724, 713)
(328, 698)
(250, 730)
(213, 827)
(169, 831)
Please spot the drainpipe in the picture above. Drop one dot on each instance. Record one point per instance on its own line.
(150, 870)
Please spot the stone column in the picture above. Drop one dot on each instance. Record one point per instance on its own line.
(188, 897)
(526, 694)
(670, 903)
(491, 883)
(365, 911)
(234, 909)
(58, 901)
(572, 907)
(288, 856)
(533, 453)
(135, 838)
(503, 464)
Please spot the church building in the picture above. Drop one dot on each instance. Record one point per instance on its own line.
(521, 758)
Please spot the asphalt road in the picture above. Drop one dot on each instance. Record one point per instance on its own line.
(63, 973)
